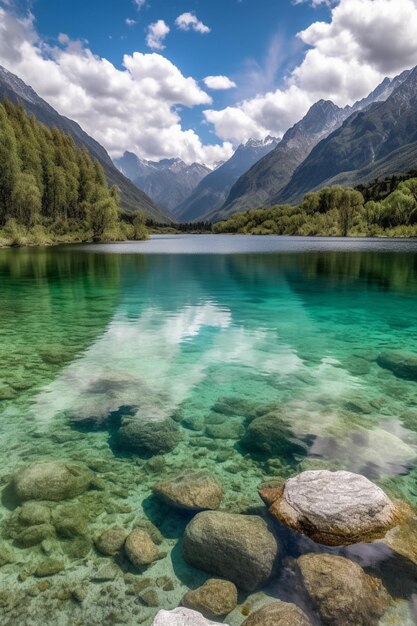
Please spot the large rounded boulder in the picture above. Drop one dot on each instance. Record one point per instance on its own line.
(181, 617)
(341, 592)
(278, 614)
(149, 436)
(213, 599)
(51, 480)
(240, 548)
(333, 508)
(271, 436)
(196, 491)
(401, 364)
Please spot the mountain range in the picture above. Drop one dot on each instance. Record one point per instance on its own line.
(168, 182)
(131, 197)
(264, 183)
(210, 194)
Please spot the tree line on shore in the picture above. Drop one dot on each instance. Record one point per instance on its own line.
(53, 191)
(334, 211)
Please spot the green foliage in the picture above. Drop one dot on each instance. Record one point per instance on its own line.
(334, 211)
(50, 190)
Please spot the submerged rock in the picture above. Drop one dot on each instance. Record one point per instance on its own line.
(333, 508)
(341, 592)
(111, 541)
(140, 549)
(240, 548)
(278, 614)
(49, 567)
(270, 435)
(181, 617)
(154, 436)
(213, 599)
(402, 364)
(51, 480)
(195, 491)
(34, 535)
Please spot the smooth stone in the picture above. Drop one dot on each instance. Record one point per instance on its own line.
(341, 592)
(140, 549)
(278, 614)
(34, 535)
(195, 491)
(51, 480)
(402, 364)
(334, 508)
(50, 567)
(213, 599)
(111, 541)
(240, 548)
(6, 554)
(271, 436)
(150, 436)
(227, 430)
(181, 617)
(70, 522)
(33, 514)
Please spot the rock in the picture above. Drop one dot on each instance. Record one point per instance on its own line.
(240, 548)
(50, 567)
(70, 522)
(341, 592)
(33, 513)
(278, 614)
(107, 571)
(149, 436)
(270, 435)
(140, 549)
(6, 554)
(181, 617)
(51, 480)
(213, 599)
(149, 597)
(111, 541)
(334, 508)
(227, 430)
(195, 491)
(402, 364)
(34, 535)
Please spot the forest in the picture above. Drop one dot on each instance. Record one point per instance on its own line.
(52, 191)
(335, 211)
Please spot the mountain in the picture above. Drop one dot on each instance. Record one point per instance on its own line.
(379, 141)
(131, 197)
(212, 191)
(167, 182)
(263, 183)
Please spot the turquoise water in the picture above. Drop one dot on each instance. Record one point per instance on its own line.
(207, 330)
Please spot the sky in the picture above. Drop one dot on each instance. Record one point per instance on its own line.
(195, 78)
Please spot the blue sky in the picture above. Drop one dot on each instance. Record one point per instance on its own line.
(148, 94)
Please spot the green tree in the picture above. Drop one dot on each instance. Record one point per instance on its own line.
(26, 200)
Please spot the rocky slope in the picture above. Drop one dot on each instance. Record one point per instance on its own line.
(168, 182)
(210, 194)
(131, 197)
(263, 183)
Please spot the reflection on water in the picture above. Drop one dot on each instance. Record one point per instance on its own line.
(89, 334)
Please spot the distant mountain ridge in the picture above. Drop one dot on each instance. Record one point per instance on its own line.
(168, 182)
(373, 143)
(131, 197)
(212, 191)
(262, 185)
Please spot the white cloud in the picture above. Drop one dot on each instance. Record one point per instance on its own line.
(219, 82)
(134, 108)
(156, 35)
(346, 57)
(130, 22)
(139, 4)
(189, 21)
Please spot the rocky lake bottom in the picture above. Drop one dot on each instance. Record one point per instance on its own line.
(229, 362)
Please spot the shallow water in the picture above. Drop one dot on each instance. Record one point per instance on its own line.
(193, 327)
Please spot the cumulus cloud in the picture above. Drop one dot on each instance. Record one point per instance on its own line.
(345, 59)
(130, 22)
(189, 21)
(134, 108)
(156, 35)
(219, 82)
(139, 4)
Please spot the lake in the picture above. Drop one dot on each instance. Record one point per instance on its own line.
(205, 332)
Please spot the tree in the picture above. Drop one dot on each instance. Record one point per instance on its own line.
(26, 200)
(349, 204)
